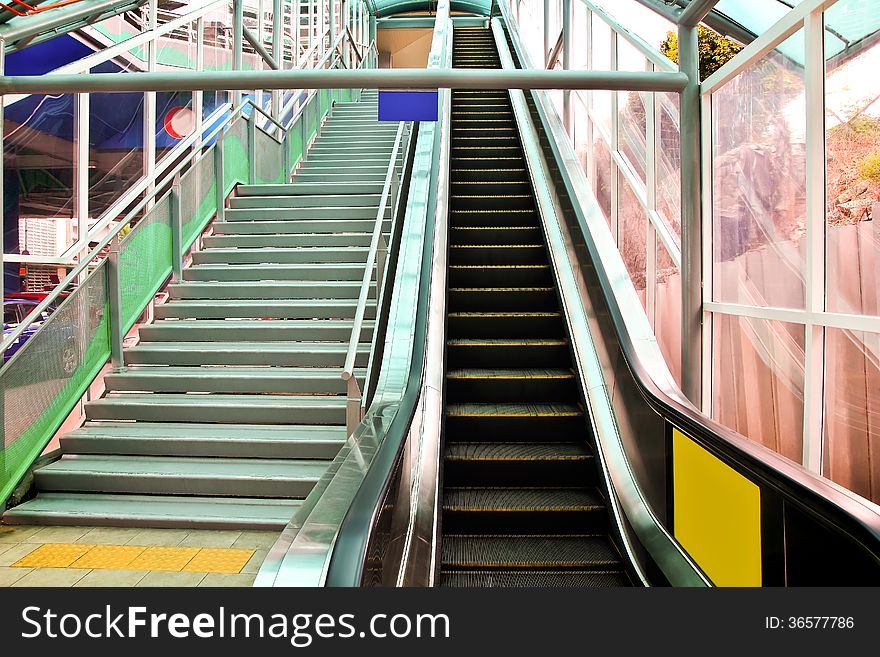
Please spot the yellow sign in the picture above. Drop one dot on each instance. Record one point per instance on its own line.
(717, 515)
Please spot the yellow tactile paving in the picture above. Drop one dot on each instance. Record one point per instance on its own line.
(219, 560)
(133, 557)
(110, 557)
(164, 558)
(53, 555)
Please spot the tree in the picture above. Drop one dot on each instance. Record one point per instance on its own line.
(714, 49)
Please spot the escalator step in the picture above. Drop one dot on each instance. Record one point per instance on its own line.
(494, 234)
(520, 510)
(511, 385)
(501, 298)
(525, 579)
(481, 552)
(499, 275)
(505, 324)
(517, 464)
(496, 254)
(499, 352)
(516, 422)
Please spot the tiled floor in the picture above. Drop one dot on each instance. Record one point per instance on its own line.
(17, 542)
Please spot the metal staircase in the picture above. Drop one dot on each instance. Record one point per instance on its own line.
(231, 405)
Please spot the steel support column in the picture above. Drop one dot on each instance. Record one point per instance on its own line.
(566, 63)
(691, 220)
(545, 56)
(237, 37)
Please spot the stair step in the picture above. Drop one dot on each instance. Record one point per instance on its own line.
(278, 478)
(293, 255)
(312, 271)
(259, 441)
(311, 199)
(240, 242)
(259, 409)
(281, 354)
(317, 380)
(566, 552)
(205, 330)
(162, 511)
(249, 308)
(237, 215)
(258, 226)
(269, 290)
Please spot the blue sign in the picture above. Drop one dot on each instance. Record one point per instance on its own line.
(408, 105)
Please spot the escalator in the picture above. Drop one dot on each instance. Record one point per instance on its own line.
(521, 504)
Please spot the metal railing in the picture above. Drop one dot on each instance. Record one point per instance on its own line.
(376, 257)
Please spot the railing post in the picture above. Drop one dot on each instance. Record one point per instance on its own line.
(252, 147)
(304, 130)
(353, 411)
(691, 219)
(176, 231)
(114, 296)
(566, 63)
(285, 155)
(381, 256)
(220, 178)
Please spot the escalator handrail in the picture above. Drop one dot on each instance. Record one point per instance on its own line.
(348, 559)
(844, 511)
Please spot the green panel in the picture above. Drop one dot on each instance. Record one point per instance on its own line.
(294, 140)
(145, 261)
(235, 155)
(199, 202)
(43, 382)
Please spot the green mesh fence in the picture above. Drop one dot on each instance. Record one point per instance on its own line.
(145, 260)
(199, 198)
(42, 383)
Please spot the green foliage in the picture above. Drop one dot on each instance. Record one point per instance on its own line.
(715, 50)
(869, 168)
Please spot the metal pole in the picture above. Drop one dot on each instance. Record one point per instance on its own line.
(150, 105)
(176, 231)
(114, 298)
(278, 52)
(220, 178)
(252, 39)
(252, 147)
(197, 98)
(695, 12)
(545, 58)
(566, 63)
(691, 220)
(237, 36)
(81, 171)
(402, 78)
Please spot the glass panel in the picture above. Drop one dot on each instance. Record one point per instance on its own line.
(852, 418)
(601, 46)
(759, 179)
(602, 178)
(852, 137)
(667, 311)
(631, 122)
(668, 162)
(218, 53)
(38, 161)
(116, 144)
(758, 381)
(632, 236)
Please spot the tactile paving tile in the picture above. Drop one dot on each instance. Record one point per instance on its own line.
(53, 555)
(219, 560)
(112, 557)
(164, 558)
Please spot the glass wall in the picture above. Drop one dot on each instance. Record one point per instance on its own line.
(795, 252)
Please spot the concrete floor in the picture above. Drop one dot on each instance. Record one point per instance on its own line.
(18, 541)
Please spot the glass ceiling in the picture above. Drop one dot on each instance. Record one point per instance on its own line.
(848, 22)
(389, 7)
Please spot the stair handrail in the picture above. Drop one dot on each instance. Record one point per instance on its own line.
(375, 258)
(150, 196)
